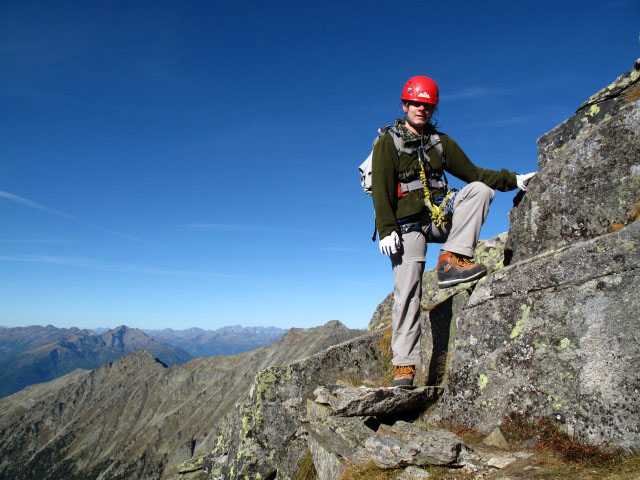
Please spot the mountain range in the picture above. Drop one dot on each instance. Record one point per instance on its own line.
(223, 341)
(37, 354)
(134, 417)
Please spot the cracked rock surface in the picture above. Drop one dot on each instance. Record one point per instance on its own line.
(406, 444)
(553, 333)
(365, 401)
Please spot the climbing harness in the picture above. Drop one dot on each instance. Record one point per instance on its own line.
(406, 184)
(418, 177)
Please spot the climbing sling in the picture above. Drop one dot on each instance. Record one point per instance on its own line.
(440, 211)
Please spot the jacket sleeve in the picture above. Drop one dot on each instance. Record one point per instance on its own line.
(458, 164)
(384, 185)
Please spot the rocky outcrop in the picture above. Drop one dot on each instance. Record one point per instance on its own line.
(550, 332)
(439, 310)
(488, 252)
(554, 334)
(136, 417)
(406, 444)
(264, 436)
(364, 401)
(589, 174)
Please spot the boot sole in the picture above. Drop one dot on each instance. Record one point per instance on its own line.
(456, 281)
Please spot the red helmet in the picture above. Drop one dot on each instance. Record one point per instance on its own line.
(420, 89)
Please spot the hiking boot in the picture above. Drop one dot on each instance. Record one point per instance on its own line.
(454, 269)
(403, 376)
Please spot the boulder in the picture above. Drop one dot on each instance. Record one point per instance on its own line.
(554, 336)
(265, 434)
(555, 333)
(335, 441)
(496, 439)
(408, 444)
(589, 174)
(365, 401)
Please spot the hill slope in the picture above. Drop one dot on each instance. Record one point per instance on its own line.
(133, 417)
(38, 354)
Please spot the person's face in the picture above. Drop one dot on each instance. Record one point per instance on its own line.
(418, 113)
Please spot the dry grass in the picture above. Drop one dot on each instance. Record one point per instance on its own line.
(352, 381)
(615, 226)
(572, 450)
(553, 465)
(306, 468)
(633, 93)
(385, 347)
(552, 439)
(517, 430)
(368, 471)
(469, 435)
(385, 343)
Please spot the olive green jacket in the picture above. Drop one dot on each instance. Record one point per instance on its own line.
(387, 165)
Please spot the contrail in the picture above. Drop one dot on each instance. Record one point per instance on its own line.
(42, 208)
(37, 206)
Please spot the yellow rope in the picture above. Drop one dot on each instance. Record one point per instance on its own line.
(437, 213)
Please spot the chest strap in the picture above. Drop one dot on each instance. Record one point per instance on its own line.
(405, 188)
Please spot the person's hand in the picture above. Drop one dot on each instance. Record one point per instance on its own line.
(523, 179)
(390, 244)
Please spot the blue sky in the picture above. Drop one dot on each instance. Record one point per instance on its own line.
(179, 164)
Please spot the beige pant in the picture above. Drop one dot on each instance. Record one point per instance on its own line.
(471, 207)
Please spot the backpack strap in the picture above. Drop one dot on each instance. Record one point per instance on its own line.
(398, 141)
(435, 142)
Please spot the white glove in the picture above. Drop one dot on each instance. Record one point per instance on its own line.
(523, 179)
(390, 244)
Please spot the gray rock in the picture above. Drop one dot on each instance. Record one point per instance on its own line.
(469, 459)
(329, 466)
(496, 439)
(524, 455)
(321, 395)
(413, 473)
(589, 174)
(500, 462)
(422, 447)
(364, 401)
(336, 442)
(191, 465)
(554, 337)
(531, 443)
(266, 433)
(554, 333)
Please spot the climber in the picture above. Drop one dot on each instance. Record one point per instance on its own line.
(415, 206)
